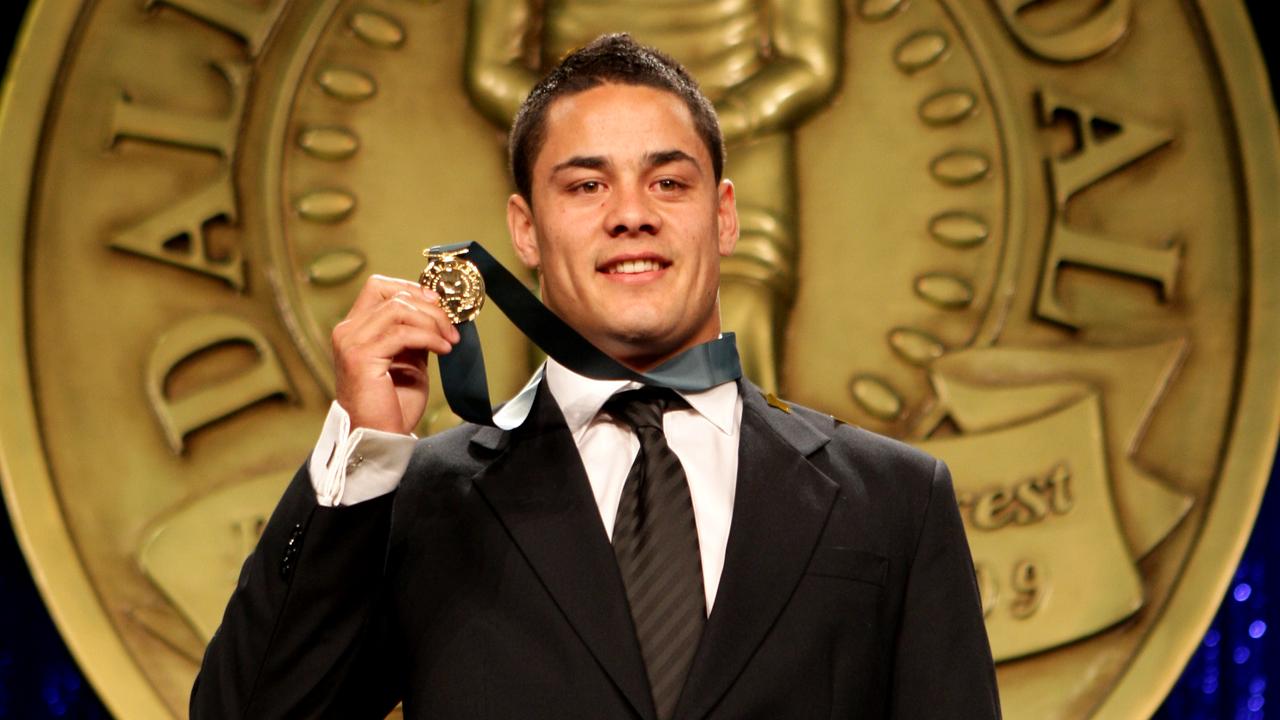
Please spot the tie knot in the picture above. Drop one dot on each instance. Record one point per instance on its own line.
(643, 407)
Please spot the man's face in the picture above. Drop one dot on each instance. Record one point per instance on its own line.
(628, 222)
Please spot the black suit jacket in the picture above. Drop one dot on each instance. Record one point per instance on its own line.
(485, 587)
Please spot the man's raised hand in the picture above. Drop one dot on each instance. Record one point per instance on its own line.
(380, 353)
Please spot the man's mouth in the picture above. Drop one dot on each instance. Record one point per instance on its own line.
(635, 266)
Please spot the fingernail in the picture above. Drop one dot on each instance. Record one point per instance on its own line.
(428, 294)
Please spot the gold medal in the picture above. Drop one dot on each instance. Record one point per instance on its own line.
(457, 281)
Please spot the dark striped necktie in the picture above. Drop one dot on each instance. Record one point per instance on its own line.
(655, 539)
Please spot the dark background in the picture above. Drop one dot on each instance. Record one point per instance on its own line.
(1227, 678)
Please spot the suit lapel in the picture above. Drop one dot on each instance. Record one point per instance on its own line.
(782, 503)
(540, 492)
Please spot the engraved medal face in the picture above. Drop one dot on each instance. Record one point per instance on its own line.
(1038, 240)
(458, 283)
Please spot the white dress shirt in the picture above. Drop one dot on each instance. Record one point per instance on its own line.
(349, 466)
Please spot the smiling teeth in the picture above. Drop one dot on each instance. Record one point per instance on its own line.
(636, 266)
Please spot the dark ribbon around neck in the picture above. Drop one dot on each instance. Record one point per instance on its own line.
(462, 373)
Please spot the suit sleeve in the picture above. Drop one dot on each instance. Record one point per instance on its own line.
(943, 666)
(301, 634)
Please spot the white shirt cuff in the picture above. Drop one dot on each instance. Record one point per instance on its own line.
(349, 466)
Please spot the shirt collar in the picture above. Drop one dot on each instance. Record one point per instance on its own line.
(580, 398)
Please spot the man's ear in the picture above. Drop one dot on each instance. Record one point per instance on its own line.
(727, 215)
(524, 236)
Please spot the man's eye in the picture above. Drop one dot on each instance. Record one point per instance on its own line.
(669, 185)
(589, 187)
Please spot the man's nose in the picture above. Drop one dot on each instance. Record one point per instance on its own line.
(631, 212)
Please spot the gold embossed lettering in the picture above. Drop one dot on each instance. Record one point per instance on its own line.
(1095, 159)
(1028, 587)
(1027, 582)
(1105, 144)
(154, 236)
(1023, 503)
(988, 588)
(214, 400)
(195, 132)
(991, 509)
(1033, 504)
(1060, 494)
(186, 219)
(1072, 39)
(243, 20)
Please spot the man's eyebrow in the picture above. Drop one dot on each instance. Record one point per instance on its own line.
(666, 157)
(588, 162)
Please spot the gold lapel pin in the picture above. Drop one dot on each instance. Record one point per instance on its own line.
(776, 402)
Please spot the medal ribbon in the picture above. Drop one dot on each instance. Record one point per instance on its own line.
(462, 373)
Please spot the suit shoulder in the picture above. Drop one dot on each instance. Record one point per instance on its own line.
(887, 470)
(866, 445)
(883, 451)
(887, 484)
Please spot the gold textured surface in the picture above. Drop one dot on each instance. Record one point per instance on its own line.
(456, 281)
(1037, 239)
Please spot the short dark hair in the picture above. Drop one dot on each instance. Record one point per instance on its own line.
(614, 58)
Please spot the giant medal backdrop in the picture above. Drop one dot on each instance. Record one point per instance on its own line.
(1040, 240)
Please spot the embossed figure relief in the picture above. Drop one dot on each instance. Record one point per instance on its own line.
(766, 64)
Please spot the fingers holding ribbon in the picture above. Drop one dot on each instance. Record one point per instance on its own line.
(380, 353)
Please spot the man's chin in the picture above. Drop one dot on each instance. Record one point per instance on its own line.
(642, 347)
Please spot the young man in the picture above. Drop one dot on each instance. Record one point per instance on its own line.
(710, 555)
